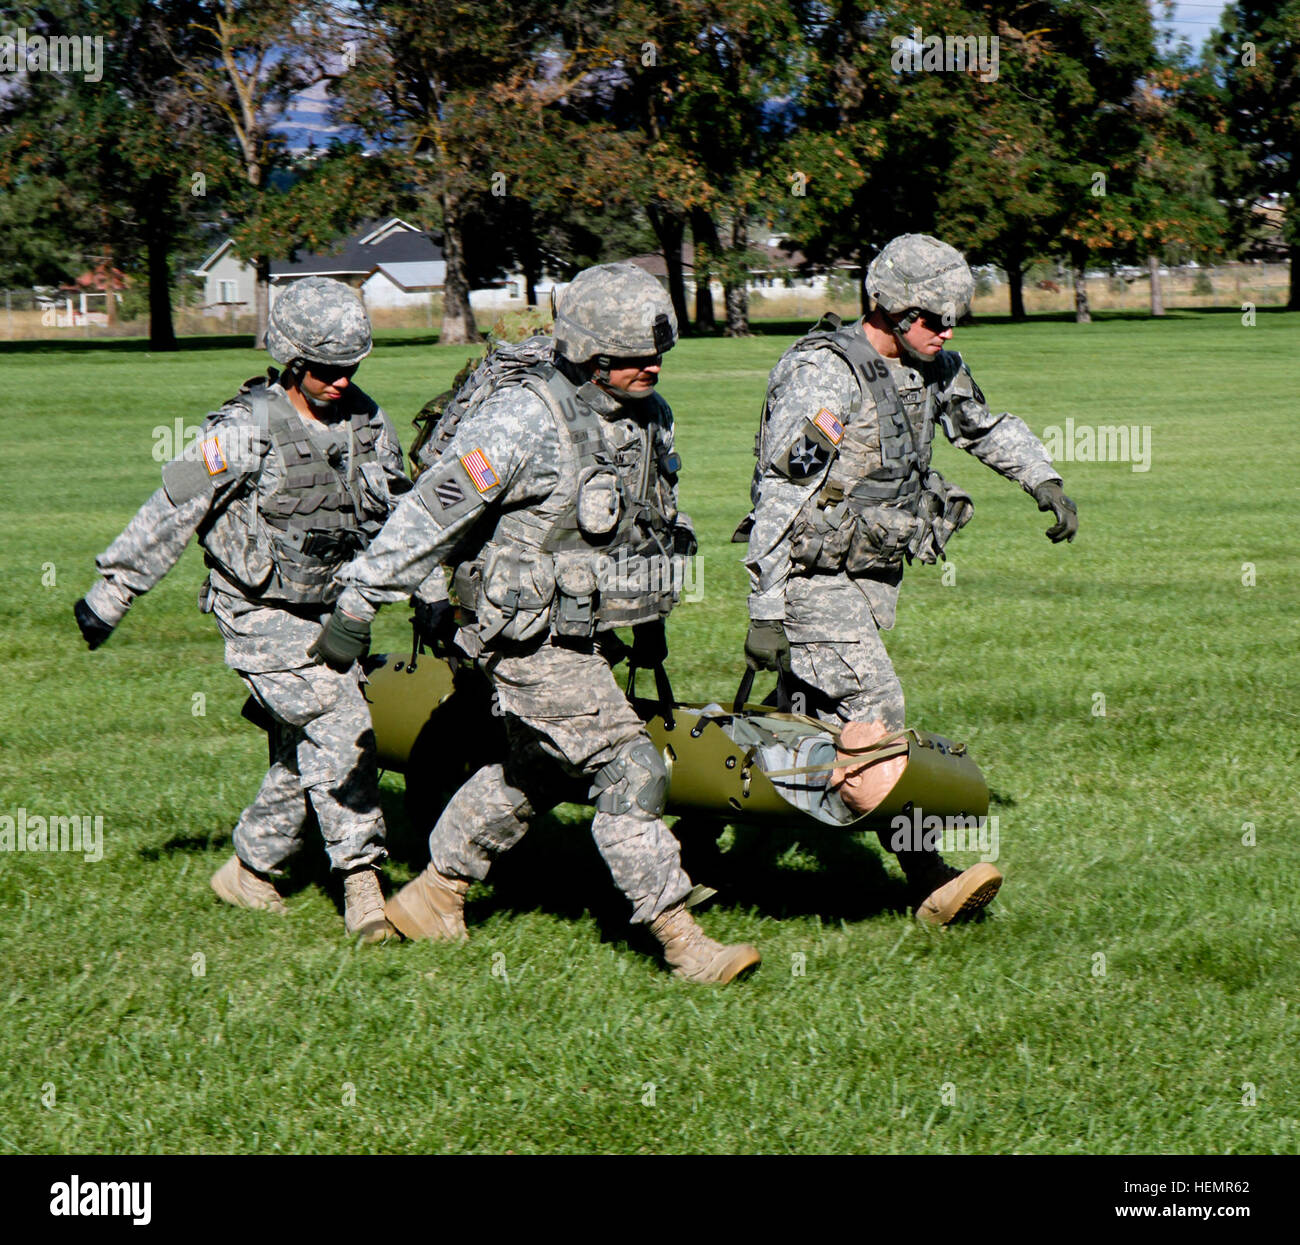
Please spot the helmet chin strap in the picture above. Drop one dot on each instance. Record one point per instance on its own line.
(293, 376)
(901, 325)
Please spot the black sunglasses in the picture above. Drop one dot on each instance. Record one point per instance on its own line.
(328, 373)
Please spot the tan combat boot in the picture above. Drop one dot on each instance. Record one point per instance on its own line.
(363, 905)
(963, 895)
(696, 957)
(431, 906)
(237, 884)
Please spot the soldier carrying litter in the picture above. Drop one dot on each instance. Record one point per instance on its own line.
(290, 479)
(843, 495)
(556, 503)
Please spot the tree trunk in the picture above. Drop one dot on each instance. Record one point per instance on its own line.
(1015, 270)
(1081, 312)
(262, 298)
(669, 228)
(110, 294)
(1293, 296)
(162, 334)
(530, 261)
(458, 325)
(736, 291)
(704, 233)
(1157, 294)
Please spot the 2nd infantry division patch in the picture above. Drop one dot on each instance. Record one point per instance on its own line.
(480, 470)
(806, 458)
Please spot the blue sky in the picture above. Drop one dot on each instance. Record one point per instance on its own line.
(1193, 19)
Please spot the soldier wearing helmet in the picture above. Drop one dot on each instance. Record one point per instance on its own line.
(844, 497)
(286, 483)
(555, 505)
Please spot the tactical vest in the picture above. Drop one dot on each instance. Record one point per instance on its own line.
(300, 528)
(880, 501)
(597, 553)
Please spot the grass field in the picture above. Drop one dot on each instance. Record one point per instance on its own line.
(1134, 991)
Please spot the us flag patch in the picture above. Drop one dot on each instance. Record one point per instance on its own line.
(449, 493)
(829, 425)
(480, 470)
(212, 457)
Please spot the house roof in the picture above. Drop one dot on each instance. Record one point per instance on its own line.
(414, 277)
(395, 242)
(388, 241)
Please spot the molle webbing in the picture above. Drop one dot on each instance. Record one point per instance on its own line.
(316, 520)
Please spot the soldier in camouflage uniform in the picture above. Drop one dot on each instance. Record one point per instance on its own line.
(556, 503)
(844, 495)
(290, 479)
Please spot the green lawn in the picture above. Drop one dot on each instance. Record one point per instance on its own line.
(140, 1014)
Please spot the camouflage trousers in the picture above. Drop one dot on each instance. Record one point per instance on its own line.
(841, 669)
(324, 760)
(566, 719)
(846, 681)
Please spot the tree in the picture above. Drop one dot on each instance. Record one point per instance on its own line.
(1179, 213)
(450, 91)
(242, 63)
(1256, 57)
(114, 191)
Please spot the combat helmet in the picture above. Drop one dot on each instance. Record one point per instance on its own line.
(318, 320)
(613, 311)
(914, 273)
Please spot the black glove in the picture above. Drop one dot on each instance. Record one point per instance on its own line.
(766, 646)
(1048, 495)
(93, 628)
(649, 645)
(342, 640)
(435, 623)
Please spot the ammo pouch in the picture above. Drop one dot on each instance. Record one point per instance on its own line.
(840, 538)
(515, 593)
(575, 596)
(944, 509)
(822, 542)
(881, 537)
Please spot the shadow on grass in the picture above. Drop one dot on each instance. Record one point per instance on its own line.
(778, 870)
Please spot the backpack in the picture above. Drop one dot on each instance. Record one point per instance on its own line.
(477, 381)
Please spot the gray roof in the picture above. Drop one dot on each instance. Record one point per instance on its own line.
(355, 258)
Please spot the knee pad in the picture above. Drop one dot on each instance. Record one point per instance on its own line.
(636, 777)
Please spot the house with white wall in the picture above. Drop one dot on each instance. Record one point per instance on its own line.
(391, 263)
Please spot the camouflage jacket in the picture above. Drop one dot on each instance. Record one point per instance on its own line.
(809, 384)
(214, 488)
(492, 496)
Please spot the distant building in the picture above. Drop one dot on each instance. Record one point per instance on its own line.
(391, 263)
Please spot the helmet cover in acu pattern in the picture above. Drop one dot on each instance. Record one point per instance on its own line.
(613, 311)
(319, 320)
(917, 272)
